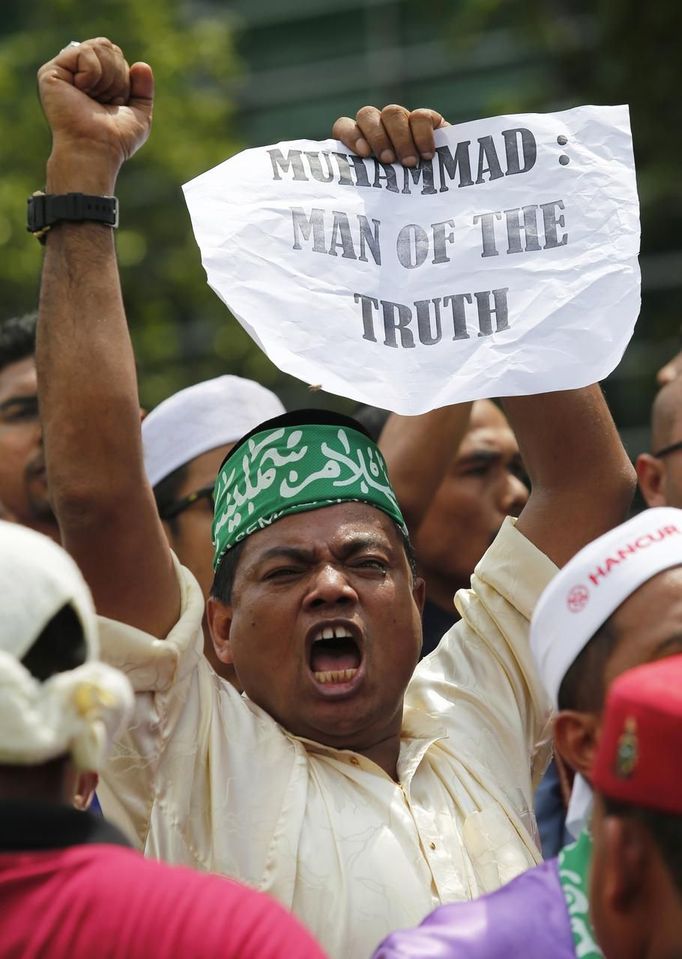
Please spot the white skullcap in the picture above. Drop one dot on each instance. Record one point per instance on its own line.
(77, 711)
(200, 418)
(37, 578)
(594, 583)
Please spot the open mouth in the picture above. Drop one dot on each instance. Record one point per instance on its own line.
(335, 656)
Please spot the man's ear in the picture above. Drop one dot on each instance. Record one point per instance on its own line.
(86, 784)
(575, 737)
(219, 618)
(651, 479)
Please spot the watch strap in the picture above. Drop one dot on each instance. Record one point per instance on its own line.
(46, 209)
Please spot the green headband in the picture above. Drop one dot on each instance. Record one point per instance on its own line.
(295, 468)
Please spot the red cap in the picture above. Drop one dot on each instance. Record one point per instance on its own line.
(639, 759)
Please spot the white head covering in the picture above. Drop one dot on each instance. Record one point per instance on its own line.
(77, 711)
(582, 596)
(200, 418)
(594, 583)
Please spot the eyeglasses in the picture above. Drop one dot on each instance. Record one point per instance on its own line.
(173, 509)
(673, 448)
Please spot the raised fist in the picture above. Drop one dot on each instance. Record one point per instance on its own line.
(98, 107)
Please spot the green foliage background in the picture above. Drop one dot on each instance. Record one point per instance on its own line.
(494, 56)
(181, 330)
(608, 52)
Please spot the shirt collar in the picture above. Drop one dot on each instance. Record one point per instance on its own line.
(419, 732)
(32, 824)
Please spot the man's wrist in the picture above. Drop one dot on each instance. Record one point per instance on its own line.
(80, 172)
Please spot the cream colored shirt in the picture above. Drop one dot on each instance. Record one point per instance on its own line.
(206, 778)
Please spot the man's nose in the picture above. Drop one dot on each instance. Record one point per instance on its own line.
(330, 585)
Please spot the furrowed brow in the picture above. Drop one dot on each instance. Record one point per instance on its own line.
(362, 542)
(294, 554)
(286, 552)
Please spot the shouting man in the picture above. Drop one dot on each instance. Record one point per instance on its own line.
(357, 793)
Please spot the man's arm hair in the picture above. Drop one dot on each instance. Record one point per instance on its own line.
(86, 369)
(582, 480)
(418, 451)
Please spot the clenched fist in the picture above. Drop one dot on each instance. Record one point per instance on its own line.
(99, 109)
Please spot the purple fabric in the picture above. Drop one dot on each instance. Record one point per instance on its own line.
(526, 919)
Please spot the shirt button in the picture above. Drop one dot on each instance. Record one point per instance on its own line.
(432, 845)
(354, 761)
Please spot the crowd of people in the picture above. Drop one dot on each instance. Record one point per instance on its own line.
(434, 714)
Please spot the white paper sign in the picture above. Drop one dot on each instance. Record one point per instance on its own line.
(506, 265)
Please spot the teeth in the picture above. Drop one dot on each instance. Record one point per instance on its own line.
(332, 632)
(335, 676)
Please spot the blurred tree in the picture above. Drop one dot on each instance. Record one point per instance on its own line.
(609, 51)
(180, 329)
(508, 57)
(604, 51)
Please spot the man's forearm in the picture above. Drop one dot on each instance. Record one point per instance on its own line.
(85, 364)
(582, 480)
(90, 412)
(86, 368)
(418, 451)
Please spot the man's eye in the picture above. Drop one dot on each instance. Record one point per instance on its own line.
(19, 412)
(282, 572)
(370, 563)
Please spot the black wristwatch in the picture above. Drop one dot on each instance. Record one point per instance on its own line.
(46, 209)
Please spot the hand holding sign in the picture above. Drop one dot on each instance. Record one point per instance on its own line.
(505, 264)
(393, 131)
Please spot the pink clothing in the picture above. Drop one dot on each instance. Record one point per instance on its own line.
(106, 901)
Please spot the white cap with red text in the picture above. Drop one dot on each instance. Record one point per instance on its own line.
(594, 583)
